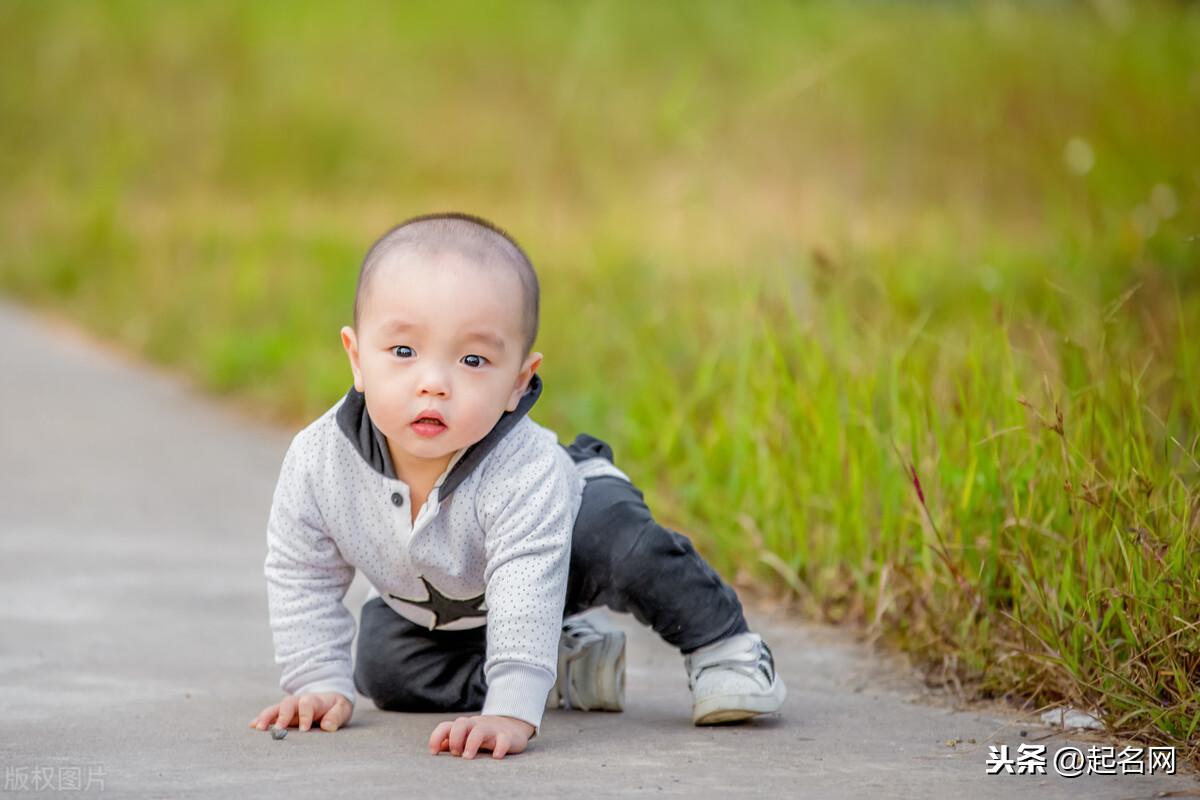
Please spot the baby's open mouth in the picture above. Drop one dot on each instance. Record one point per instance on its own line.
(428, 421)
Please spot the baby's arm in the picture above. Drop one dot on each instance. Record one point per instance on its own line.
(528, 512)
(310, 625)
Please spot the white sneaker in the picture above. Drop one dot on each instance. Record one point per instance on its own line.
(733, 679)
(591, 666)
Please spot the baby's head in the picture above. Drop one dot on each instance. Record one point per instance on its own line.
(445, 317)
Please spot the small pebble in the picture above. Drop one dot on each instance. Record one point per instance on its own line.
(278, 732)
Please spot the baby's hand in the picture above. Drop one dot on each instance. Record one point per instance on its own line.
(467, 735)
(331, 708)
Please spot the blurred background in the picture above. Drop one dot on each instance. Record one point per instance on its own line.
(891, 307)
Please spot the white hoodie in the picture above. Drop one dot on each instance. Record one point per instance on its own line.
(490, 546)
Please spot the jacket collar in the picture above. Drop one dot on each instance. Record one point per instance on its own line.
(371, 444)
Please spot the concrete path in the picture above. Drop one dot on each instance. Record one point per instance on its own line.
(134, 646)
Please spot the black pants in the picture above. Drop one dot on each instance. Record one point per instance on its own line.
(620, 558)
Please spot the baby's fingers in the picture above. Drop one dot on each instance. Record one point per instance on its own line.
(479, 736)
(287, 708)
(458, 734)
(439, 740)
(336, 715)
(264, 717)
(306, 712)
(501, 747)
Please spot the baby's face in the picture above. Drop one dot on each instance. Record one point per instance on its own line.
(438, 333)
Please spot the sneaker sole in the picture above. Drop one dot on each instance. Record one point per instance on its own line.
(736, 707)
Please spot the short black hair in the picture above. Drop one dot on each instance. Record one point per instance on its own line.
(482, 241)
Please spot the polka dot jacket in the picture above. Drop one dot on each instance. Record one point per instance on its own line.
(490, 546)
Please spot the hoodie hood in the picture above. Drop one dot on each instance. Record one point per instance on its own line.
(371, 444)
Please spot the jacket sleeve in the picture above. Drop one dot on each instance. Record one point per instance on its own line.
(306, 580)
(528, 503)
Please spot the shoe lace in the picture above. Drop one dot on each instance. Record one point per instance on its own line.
(577, 633)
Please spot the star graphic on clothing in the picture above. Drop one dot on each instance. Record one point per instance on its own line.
(446, 609)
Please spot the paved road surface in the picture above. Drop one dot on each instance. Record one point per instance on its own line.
(134, 646)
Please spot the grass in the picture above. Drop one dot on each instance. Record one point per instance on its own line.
(891, 307)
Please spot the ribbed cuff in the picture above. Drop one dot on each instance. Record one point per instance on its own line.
(518, 690)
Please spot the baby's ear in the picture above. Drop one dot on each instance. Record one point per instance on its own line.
(531, 364)
(523, 379)
(350, 345)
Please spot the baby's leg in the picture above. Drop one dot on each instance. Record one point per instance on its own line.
(404, 667)
(621, 558)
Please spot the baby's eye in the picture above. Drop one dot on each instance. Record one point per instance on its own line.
(403, 347)
(481, 358)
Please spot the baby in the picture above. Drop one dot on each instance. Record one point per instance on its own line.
(477, 530)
